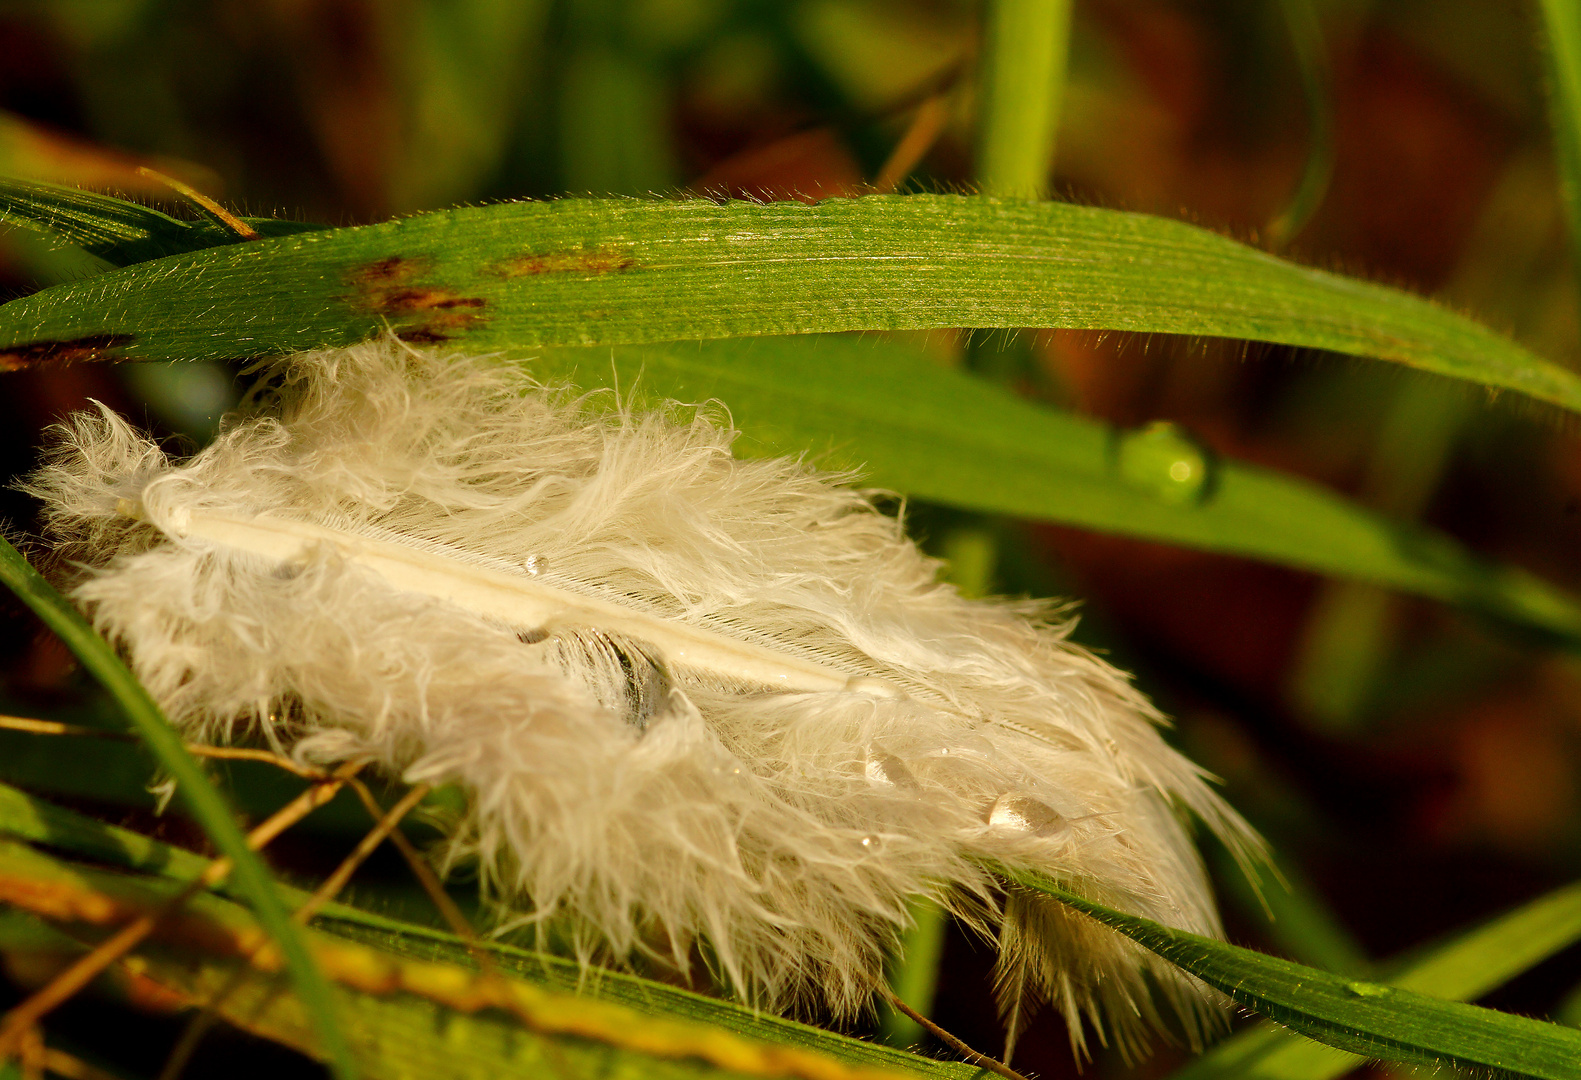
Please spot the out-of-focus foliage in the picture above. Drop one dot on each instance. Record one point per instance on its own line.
(1419, 770)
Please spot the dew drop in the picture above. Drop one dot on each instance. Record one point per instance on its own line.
(1023, 813)
(1368, 989)
(1165, 461)
(872, 687)
(535, 564)
(869, 841)
(889, 770)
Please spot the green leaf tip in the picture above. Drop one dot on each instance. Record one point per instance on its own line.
(119, 231)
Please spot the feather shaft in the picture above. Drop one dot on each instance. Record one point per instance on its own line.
(520, 602)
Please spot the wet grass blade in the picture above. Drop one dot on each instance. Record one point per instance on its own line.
(116, 230)
(1365, 1018)
(939, 434)
(604, 272)
(206, 804)
(1467, 967)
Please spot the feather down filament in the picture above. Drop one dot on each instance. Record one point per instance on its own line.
(693, 699)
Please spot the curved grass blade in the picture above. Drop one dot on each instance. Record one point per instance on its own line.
(1311, 55)
(1361, 1017)
(206, 804)
(116, 230)
(939, 434)
(1463, 969)
(614, 271)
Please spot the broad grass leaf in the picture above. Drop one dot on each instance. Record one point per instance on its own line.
(405, 1016)
(37, 821)
(615, 271)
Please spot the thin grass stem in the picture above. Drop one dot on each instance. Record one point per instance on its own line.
(202, 202)
(205, 802)
(1026, 43)
(1306, 39)
(992, 1064)
(924, 130)
(431, 885)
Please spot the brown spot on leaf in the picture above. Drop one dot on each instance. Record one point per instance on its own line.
(393, 270)
(599, 260)
(404, 301)
(422, 335)
(388, 288)
(74, 350)
(62, 901)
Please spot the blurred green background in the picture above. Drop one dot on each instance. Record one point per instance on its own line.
(1414, 769)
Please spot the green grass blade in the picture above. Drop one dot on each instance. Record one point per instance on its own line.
(1562, 38)
(116, 230)
(1027, 44)
(1365, 1018)
(1484, 959)
(1463, 969)
(199, 795)
(938, 434)
(27, 817)
(603, 272)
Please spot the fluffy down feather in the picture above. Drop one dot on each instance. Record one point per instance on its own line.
(694, 699)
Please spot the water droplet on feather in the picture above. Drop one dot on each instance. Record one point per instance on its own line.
(889, 770)
(1022, 813)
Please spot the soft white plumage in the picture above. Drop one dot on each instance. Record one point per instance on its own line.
(693, 699)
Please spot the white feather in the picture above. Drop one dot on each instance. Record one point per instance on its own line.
(696, 701)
